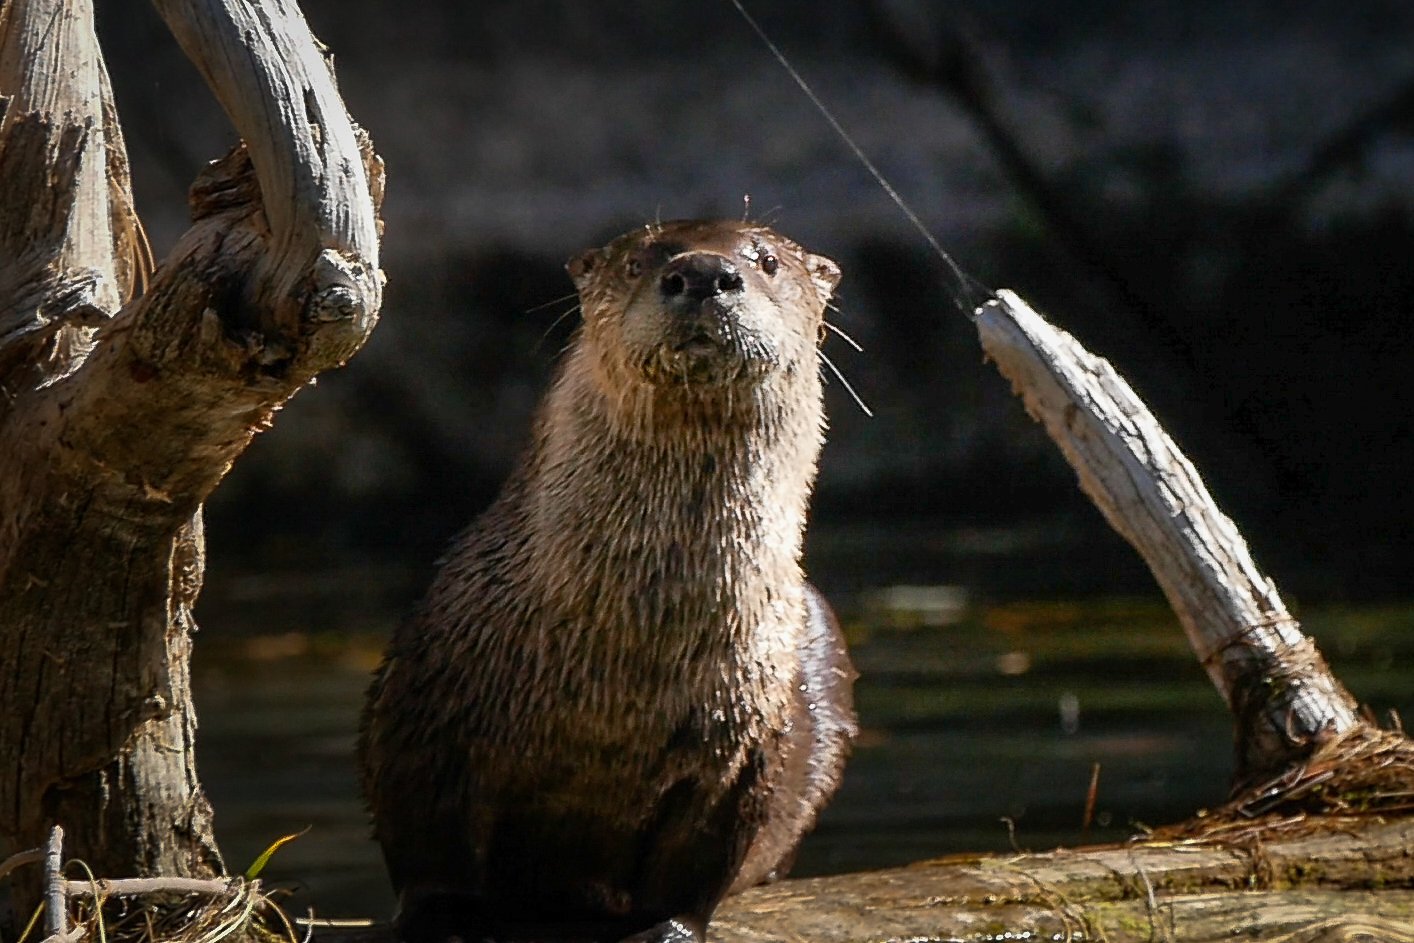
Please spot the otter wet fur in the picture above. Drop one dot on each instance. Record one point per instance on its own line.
(620, 699)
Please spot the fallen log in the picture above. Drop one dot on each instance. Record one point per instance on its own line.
(1324, 882)
(1297, 880)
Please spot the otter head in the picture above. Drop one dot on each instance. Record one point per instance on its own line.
(703, 304)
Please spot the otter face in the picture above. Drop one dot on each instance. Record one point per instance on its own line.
(704, 303)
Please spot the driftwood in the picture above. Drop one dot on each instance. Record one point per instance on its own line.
(121, 409)
(1282, 695)
(1314, 887)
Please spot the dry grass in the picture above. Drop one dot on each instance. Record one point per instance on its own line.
(78, 906)
(243, 913)
(1365, 771)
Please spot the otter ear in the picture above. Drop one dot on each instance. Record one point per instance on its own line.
(824, 275)
(581, 267)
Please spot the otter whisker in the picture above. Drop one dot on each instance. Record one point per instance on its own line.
(845, 383)
(845, 337)
(556, 323)
(553, 301)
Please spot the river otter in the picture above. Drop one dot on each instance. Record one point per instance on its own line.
(620, 699)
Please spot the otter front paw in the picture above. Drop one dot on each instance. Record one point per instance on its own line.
(677, 930)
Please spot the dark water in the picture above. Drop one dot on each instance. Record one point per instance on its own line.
(982, 723)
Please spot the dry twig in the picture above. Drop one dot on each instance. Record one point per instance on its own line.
(149, 910)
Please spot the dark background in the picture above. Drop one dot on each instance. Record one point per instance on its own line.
(1215, 195)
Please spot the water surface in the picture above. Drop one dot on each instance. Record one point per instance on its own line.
(982, 724)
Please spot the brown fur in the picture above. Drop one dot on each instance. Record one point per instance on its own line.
(620, 697)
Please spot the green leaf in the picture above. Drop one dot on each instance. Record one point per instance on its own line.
(258, 865)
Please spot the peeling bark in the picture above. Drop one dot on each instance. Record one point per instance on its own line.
(119, 416)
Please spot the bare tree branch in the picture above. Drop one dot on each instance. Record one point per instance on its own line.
(276, 87)
(1283, 696)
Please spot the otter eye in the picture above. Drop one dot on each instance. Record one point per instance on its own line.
(633, 268)
(769, 264)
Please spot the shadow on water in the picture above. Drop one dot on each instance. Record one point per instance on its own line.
(982, 723)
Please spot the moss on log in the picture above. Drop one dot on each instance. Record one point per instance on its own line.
(1314, 880)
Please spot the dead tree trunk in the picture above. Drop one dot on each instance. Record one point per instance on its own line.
(1284, 699)
(122, 410)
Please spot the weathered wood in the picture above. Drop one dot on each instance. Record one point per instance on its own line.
(59, 103)
(318, 275)
(118, 422)
(1283, 696)
(56, 908)
(1294, 883)
(103, 888)
(66, 263)
(1311, 885)
(1322, 885)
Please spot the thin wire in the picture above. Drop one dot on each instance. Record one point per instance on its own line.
(966, 291)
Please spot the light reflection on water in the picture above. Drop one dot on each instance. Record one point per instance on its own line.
(979, 734)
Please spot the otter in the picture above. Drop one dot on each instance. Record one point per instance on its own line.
(620, 699)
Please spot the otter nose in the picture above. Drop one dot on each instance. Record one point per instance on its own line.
(699, 276)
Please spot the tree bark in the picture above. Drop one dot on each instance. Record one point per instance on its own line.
(1283, 697)
(1322, 886)
(119, 415)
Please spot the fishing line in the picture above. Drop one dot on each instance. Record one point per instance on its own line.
(966, 292)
